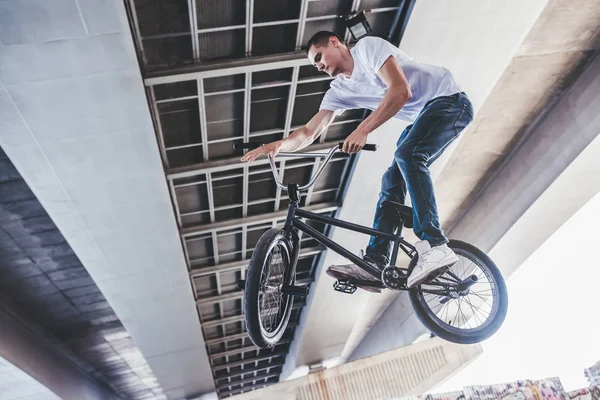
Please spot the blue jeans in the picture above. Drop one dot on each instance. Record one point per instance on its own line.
(439, 123)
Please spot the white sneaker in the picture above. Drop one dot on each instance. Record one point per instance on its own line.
(431, 259)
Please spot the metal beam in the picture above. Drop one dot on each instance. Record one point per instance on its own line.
(35, 355)
(210, 197)
(244, 247)
(291, 101)
(247, 105)
(228, 338)
(235, 265)
(239, 318)
(301, 23)
(243, 350)
(253, 220)
(249, 28)
(245, 389)
(245, 188)
(222, 297)
(230, 67)
(278, 190)
(303, 19)
(203, 124)
(194, 29)
(136, 29)
(222, 321)
(248, 380)
(156, 120)
(221, 29)
(248, 371)
(249, 360)
(215, 247)
(233, 352)
(238, 336)
(175, 202)
(309, 193)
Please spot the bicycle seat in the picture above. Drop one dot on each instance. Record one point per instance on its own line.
(404, 212)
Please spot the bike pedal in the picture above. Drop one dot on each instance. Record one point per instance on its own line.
(344, 287)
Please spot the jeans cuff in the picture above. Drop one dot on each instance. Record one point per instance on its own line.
(437, 242)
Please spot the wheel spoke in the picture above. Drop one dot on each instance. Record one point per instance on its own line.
(476, 309)
(474, 313)
(486, 301)
(433, 298)
(447, 306)
(458, 314)
(453, 275)
(437, 307)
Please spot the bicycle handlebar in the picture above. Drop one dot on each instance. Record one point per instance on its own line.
(328, 156)
(366, 147)
(255, 145)
(248, 145)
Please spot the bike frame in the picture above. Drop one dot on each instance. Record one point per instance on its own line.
(295, 213)
(293, 221)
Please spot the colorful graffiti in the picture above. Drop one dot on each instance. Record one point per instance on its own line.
(591, 393)
(544, 389)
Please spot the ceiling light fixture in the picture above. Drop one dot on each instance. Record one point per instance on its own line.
(358, 25)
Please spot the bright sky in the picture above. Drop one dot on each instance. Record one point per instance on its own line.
(553, 322)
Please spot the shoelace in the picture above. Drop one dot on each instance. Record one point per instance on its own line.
(425, 257)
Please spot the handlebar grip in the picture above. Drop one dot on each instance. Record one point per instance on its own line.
(248, 145)
(370, 147)
(366, 147)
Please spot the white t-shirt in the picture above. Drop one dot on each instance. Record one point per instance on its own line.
(364, 89)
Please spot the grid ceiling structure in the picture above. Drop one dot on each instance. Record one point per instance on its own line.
(220, 72)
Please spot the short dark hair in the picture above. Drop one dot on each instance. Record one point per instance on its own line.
(320, 39)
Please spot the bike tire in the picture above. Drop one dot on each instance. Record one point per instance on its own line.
(260, 264)
(499, 303)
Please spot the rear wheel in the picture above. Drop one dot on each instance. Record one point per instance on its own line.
(267, 308)
(467, 303)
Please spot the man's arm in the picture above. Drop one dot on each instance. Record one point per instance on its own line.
(398, 94)
(298, 140)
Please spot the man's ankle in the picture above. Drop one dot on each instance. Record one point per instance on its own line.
(437, 242)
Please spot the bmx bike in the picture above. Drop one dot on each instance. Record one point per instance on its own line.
(465, 303)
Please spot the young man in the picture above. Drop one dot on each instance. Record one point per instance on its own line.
(378, 76)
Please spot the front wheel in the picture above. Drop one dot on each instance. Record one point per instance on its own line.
(267, 309)
(466, 304)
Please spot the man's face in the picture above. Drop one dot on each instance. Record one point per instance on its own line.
(326, 58)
